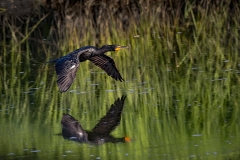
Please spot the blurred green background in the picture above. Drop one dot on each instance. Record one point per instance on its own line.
(181, 78)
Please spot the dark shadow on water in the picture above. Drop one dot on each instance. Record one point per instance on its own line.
(72, 129)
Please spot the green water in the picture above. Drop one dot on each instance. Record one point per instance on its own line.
(182, 95)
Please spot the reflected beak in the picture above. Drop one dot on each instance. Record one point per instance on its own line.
(120, 47)
(127, 139)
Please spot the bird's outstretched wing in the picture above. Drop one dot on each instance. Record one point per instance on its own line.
(108, 65)
(112, 119)
(66, 69)
(71, 128)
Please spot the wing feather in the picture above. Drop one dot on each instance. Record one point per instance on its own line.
(108, 65)
(112, 119)
(71, 128)
(66, 72)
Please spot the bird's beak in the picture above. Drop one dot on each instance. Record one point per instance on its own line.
(120, 47)
(127, 139)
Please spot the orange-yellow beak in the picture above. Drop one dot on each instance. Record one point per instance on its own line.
(120, 47)
(127, 139)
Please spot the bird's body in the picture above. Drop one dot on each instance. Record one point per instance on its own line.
(66, 66)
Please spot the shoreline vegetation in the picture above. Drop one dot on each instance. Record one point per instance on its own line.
(177, 34)
(99, 16)
(170, 26)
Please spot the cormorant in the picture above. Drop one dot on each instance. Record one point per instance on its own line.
(66, 66)
(72, 129)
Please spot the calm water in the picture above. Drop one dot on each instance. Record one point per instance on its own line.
(186, 112)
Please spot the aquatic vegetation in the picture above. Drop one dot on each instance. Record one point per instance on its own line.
(181, 78)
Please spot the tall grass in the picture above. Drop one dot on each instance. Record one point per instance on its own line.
(181, 79)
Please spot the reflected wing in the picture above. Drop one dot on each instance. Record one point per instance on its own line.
(112, 119)
(108, 65)
(66, 71)
(71, 128)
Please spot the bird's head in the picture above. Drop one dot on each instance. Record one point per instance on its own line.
(113, 47)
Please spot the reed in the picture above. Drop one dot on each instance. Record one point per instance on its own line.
(181, 81)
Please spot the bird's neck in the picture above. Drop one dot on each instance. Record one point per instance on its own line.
(102, 50)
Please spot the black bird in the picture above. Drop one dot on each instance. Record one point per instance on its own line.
(66, 66)
(72, 129)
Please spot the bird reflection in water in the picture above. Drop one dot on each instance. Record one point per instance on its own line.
(72, 129)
